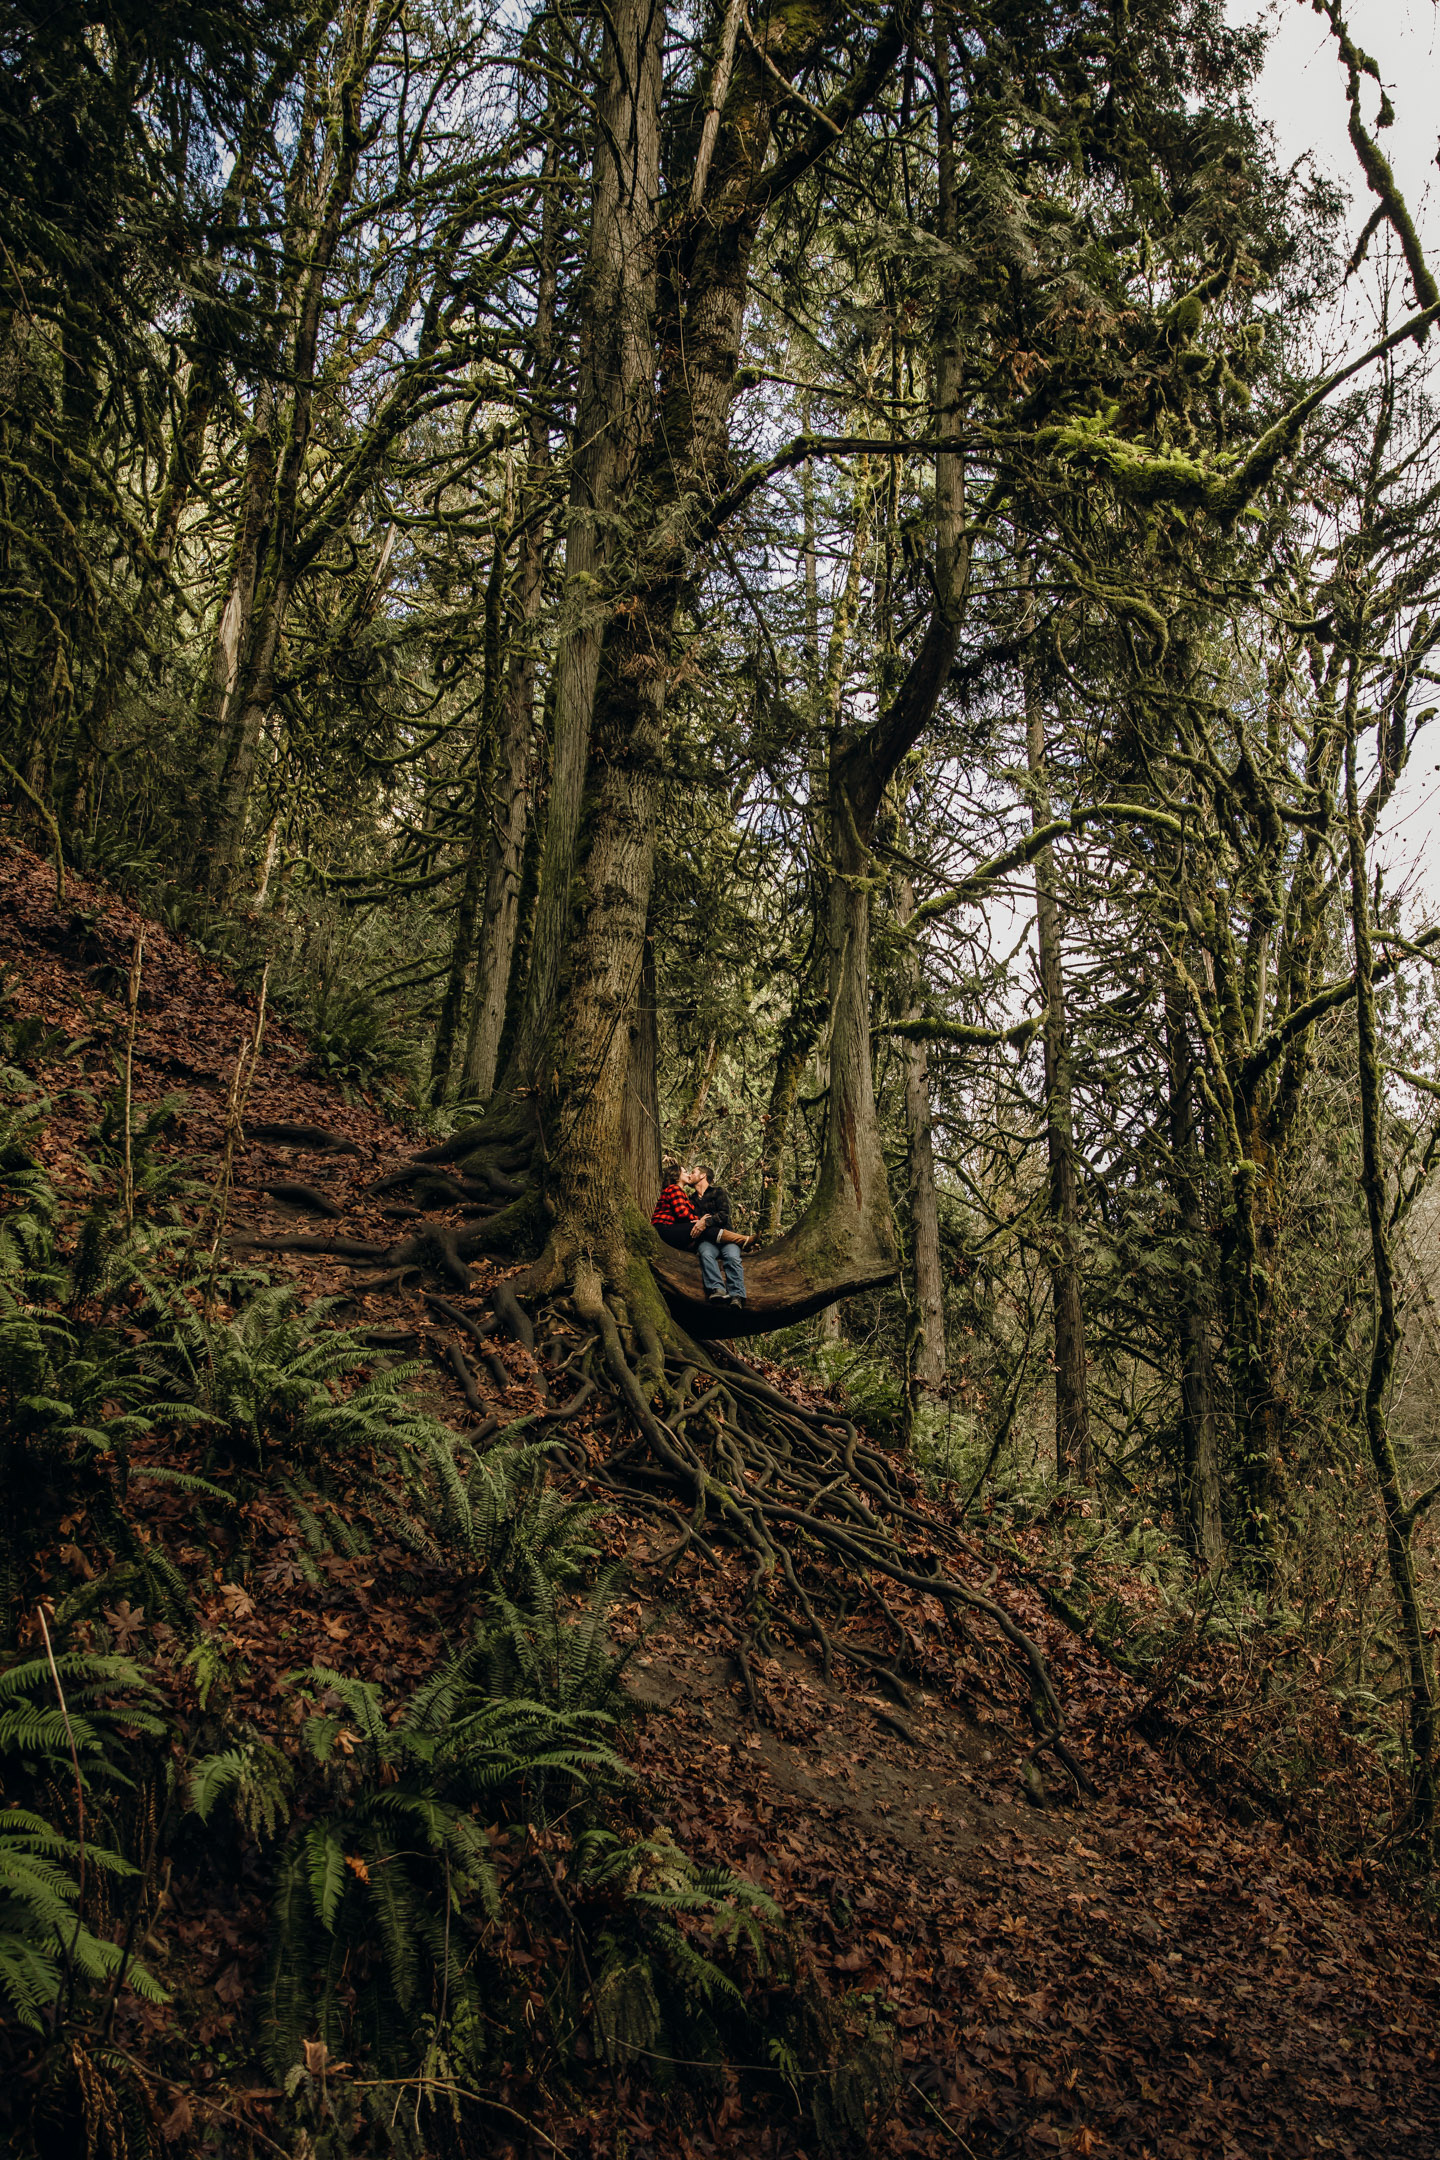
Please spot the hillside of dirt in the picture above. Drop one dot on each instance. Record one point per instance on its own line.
(981, 1949)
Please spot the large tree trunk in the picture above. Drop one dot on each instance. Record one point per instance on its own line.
(1072, 1409)
(612, 419)
(1399, 1518)
(598, 898)
(230, 653)
(845, 1241)
(463, 940)
(1256, 1378)
(803, 1024)
(244, 747)
(514, 756)
(925, 1363)
(640, 1118)
(1198, 1433)
(799, 1033)
(312, 236)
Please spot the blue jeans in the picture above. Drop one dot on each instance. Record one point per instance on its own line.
(713, 1258)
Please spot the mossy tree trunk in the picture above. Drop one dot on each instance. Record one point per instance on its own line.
(1073, 1454)
(326, 162)
(613, 418)
(1400, 1517)
(1199, 1438)
(514, 748)
(483, 816)
(683, 290)
(925, 1348)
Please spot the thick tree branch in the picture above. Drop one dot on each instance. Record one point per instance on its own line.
(894, 34)
(977, 885)
(955, 1031)
(1274, 1045)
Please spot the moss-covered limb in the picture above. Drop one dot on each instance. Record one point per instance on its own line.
(852, 99)
(1399, 1519)
(955, 1031)
(1415, 1080)
(1373, 162)
(980, 881)
(799, 451)
(1277, 1040)
(1224, 487)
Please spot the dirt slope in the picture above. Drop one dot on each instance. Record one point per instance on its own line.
(1133, 1972)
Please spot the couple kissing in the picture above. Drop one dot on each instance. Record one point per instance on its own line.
(693, 1215)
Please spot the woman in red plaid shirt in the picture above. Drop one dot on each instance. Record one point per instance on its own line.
(674, 1217)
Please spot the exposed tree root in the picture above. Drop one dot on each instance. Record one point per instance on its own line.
(512, 1315)
(316, 1138)
(341, 1248)
(460, 1365)
(433, 1188)
(302, 1196)
(407, 1340)
(813, 1509)
(480, 1329)
(506, 1137)
(732, 1464)
(391, 1281)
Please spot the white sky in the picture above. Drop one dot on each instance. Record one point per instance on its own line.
(1303, 94)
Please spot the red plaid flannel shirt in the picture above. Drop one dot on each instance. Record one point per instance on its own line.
(673, 1206)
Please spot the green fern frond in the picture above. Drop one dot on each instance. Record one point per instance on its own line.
(40, 1929)
(183, 1481)
(325, 1873)
(255, 1775)
(32, 1724)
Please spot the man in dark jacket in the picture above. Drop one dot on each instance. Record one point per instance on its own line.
(719, 1242)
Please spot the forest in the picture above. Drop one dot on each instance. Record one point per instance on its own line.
(845, 594)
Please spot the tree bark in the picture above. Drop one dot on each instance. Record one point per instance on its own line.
(803, 1026)
(640, 1121)
(1399, 1519)
(230, 652)
(1073, 1455)
(800, 1029)
(462, 943)
(313, 234)
(612, 420)
(1198, 1434)
(514, 761)
(845, 1240)
(925, 1361)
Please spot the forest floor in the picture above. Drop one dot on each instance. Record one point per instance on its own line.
(1149, 1970)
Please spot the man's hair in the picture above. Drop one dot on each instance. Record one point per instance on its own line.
(706, 1172)
(669, 1169)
